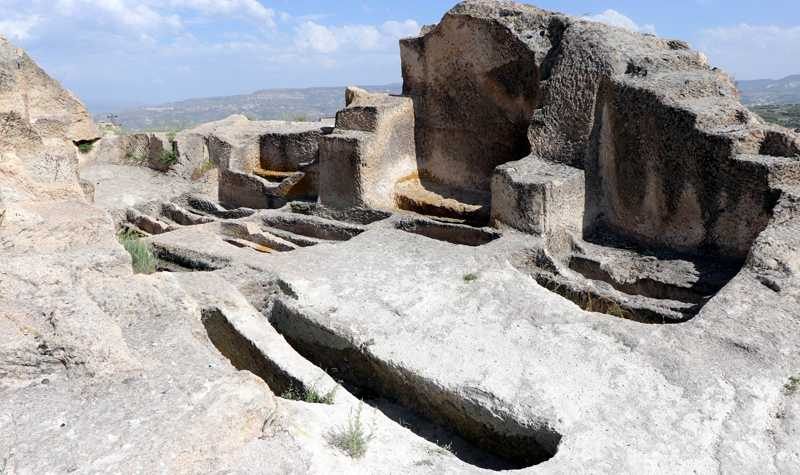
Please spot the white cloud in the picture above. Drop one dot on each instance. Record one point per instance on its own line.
(751, 51)
(316, 37)
(241, 8)
(615, 18)
(401, 29)
(327, 39)
(134, 15)
(19, 29)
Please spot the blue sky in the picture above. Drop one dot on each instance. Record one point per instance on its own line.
(115, 53)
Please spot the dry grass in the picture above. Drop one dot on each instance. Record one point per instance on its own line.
(352, 439)
(144, 262)
(201, 171)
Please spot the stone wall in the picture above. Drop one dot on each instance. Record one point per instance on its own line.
(474, 85)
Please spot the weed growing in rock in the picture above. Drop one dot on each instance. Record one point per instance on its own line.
(85, 147)
(171, 135)
(442, 448)
(207, 166)
(168, 158)
(793, 386)
(353, 438)
(144, 262)
(470, 277)
(616, 310)
(311, 395)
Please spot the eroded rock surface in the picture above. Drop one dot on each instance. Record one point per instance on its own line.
(489, 273)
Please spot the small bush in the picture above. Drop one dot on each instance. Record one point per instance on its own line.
(168, 158)
(310, 395)
(85, 147)
(470, 277)
(171, 135)
(793, 385)
(144, 262)
(352, 439)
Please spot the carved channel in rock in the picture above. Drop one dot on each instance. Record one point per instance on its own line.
(243, 354)
(452, 233)
(177, 260)
(506, 442)
(310, 227)
(622, 280)
(362, 216)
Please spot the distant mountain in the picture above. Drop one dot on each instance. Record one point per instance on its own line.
(771, 92)
(280, 104)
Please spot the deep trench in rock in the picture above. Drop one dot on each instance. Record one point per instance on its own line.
(449, 420)
(453, 233)
(501, 440)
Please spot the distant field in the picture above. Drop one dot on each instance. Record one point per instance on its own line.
(271, 104)
(786, 115)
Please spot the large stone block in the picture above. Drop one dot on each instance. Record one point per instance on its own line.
(539, 197)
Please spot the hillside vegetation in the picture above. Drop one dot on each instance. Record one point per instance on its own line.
(786, 115)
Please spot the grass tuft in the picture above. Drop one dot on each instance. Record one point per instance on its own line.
(311, 395)
(201, 171)
(470, 277)
(352, 439)
(85, 147)
(144, 262)
(793, 385)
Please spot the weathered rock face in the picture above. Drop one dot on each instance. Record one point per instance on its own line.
(39, 124)
(655, 128)
(474, 84)
(450, 346)
(39, 100)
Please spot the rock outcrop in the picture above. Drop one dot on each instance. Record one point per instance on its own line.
(566, 245)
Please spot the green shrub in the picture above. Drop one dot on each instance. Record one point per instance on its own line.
(793, 385)
(310, 395)
(472, 277)
(85, 147)
(168, 158)
(144, 262)
(353, 438)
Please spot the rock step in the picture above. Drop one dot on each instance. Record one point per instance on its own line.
(274, 175)
(297, 239)
(253, 234)
(319, 229)
(430, 198)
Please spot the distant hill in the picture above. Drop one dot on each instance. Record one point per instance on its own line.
(771, 92)
(787, 115)
(280, 104)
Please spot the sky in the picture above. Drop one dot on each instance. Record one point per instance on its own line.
(120, 53)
